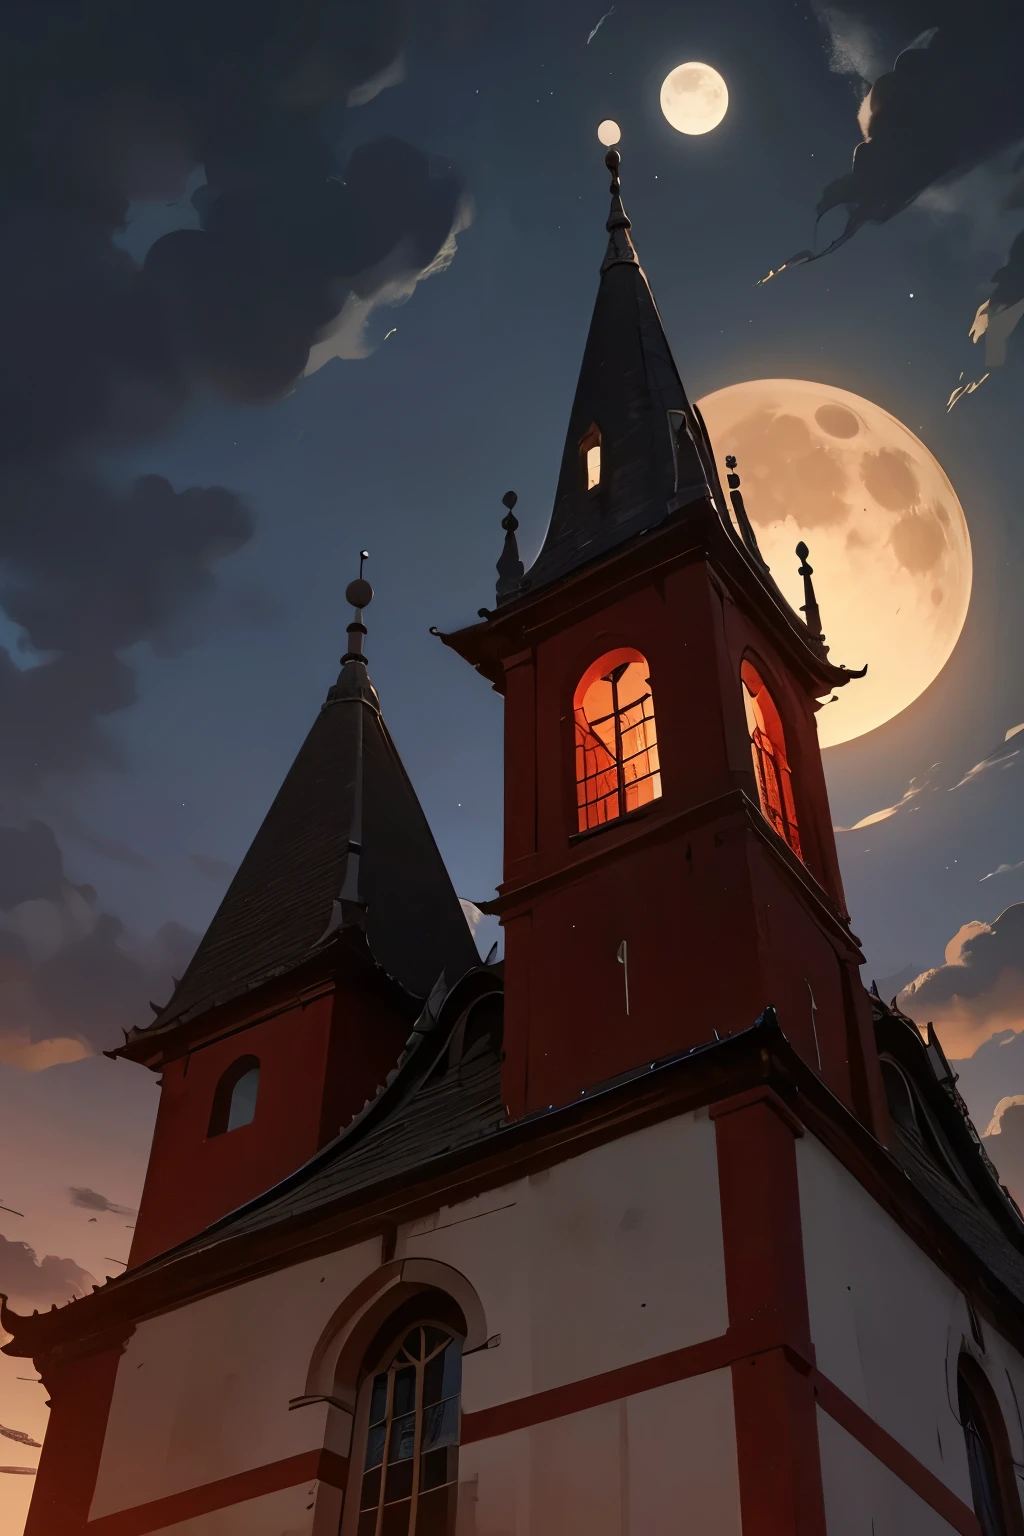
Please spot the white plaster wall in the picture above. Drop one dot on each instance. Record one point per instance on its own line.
(888, 1325)
(203, 1392)
(648, 1465)
(862, 1497)
(612, 1257)
(284, 1513)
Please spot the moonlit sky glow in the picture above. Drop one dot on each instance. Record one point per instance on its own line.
(888, 540)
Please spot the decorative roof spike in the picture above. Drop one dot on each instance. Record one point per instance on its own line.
(510, 568)
(620, 246)
(809, 607)
(747, 533)
(360, 594)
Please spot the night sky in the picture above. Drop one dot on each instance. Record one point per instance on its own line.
(168, 644)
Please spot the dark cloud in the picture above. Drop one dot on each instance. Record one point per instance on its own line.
(950, 102)
(218, 870)
(28, 1280)
(89, 1200)
(980, 987)
(19, 1436)
(72, 977)
(281, 251)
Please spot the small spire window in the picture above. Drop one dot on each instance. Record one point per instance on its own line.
(590, 458)
(768, 750)
(234, 1098)
(617, 765)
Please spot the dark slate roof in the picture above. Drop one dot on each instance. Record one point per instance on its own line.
(946, 1161)
(627, 387)
(346, 821)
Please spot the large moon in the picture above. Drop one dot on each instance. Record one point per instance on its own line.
(694, 98)
(887, 535)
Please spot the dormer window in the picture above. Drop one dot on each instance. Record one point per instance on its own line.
(590, 458)
(617, 766)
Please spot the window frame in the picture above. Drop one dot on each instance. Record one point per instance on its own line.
(592, 438)
(600, 669)
(219, 1123)
(421, 1313)
(785, 821)
(995, 1442)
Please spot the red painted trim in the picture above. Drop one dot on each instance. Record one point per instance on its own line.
(309, 1466)
(760, 1095)
(895, 1456)
(781, 1492)
(608, 1387)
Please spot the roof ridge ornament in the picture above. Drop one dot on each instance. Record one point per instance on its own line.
(510, 567)
(743, 522)
(621, 251)
(809, 608)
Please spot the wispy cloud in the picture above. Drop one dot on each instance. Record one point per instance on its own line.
(916, 787)
(1002, 869)
(596, 29)
(89, 1200)
(1003, 756)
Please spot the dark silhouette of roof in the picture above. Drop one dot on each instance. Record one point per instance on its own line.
(345, 845)
(653, 451)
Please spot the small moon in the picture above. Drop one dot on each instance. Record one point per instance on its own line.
(609, 132)
(888, 540)
(694, 98)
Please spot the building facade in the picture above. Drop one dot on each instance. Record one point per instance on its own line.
(664, 1223)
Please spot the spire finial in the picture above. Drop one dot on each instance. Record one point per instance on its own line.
(360, 594)
(509, 567)
(809, 608)
(620, 246)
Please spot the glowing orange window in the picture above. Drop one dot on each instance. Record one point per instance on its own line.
(617, 767)
(768, 749)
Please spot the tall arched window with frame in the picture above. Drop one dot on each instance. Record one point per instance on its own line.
(989, 1458)
(771, 763)
(616, 739)
(407, 1437)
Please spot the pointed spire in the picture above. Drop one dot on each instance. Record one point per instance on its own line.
(631, 407)
(345, 846)
(620, 247)
(509, 567)
(809, 607)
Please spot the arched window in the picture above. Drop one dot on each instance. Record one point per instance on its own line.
(768, 749)
(405, 1468)
(590, 458)
(989, 1459)
(234, 1098)
(617, 768)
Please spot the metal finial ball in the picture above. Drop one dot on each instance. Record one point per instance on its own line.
(359, 593)
(802, 550)
(509, 499)
(613, 160)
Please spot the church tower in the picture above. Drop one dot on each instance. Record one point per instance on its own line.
(299, 999)
(670, 866)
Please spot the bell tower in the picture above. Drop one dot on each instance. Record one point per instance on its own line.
(670, 868)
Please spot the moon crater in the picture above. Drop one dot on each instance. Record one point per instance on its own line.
(888, 539)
